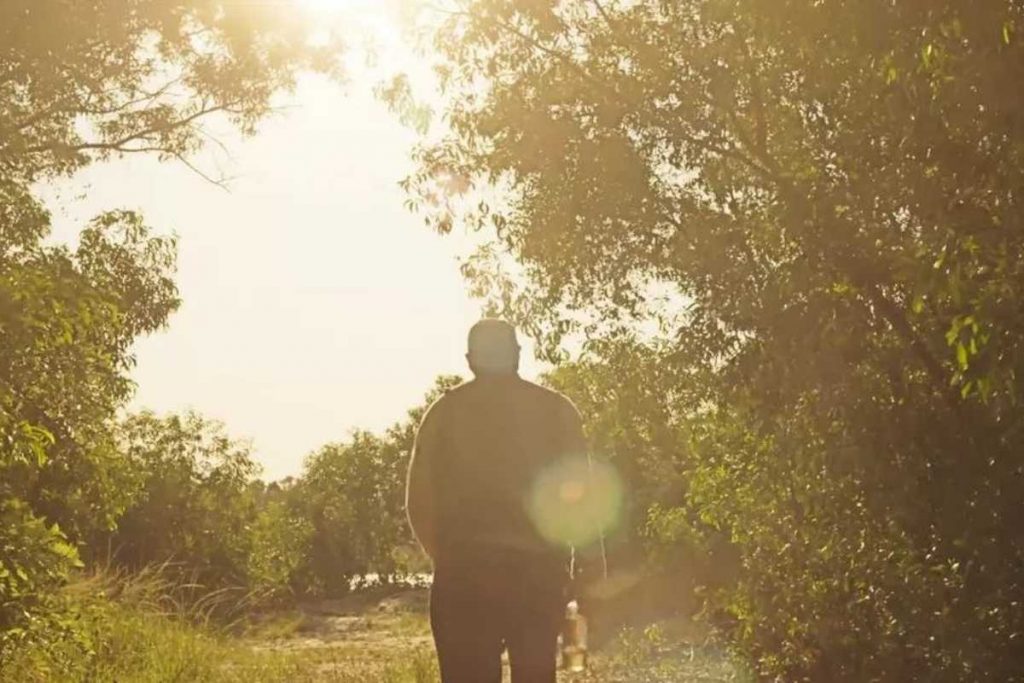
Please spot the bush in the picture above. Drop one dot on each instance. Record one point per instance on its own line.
(67, 321)
(279, 544)
(132, 628)
(196, 503)
(353, 495)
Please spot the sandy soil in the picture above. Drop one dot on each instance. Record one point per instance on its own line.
(362, 629)
(370, 629)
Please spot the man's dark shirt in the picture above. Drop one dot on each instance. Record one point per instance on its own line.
(478, 451)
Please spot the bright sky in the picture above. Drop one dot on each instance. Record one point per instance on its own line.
(314, 303)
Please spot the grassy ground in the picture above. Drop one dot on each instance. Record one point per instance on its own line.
(371, 636)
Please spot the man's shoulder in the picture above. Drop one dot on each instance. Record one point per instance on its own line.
(556, 399)
(451, 395)
(467, 392)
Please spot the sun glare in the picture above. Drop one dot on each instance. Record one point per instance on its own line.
(340, 5)
(372, 23)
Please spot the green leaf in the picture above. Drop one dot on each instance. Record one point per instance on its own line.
(965, 390)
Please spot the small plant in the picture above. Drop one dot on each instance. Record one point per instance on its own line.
(653, 655)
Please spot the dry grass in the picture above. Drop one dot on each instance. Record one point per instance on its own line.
(146, 628)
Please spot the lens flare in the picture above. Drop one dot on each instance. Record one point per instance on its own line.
(573, 501)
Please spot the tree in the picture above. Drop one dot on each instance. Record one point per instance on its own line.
(818, 206)
(81, 82)
(659, 550)
(625, 399)
(195, 506)
(68, 320)
(353, 495)
(342, 494)
(279, 545)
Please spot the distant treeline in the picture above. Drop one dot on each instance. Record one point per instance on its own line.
(198, 509)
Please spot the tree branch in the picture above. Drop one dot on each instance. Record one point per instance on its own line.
(119, 145)
(221, 182)
(604, 13)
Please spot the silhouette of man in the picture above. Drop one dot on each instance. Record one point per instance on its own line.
(497, 583)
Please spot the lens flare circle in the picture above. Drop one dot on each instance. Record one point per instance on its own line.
(573, 501)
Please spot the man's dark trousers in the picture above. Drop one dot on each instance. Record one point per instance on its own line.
(481, 606)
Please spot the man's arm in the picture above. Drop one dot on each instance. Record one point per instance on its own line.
(419, 492)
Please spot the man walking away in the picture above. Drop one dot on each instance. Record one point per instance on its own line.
(497, 583)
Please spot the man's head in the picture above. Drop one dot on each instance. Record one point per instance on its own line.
(493, 349)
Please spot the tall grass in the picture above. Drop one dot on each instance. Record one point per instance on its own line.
(154, 627)
(147, 628)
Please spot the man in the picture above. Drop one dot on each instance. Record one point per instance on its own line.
(479, 452)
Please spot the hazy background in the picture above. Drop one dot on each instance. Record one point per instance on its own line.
(313, 301)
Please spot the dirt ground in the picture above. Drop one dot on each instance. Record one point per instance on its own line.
(373, 627)
(368, 630)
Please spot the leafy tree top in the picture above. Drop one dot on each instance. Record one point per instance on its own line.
(81, 81)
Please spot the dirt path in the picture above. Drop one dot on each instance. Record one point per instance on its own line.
(360, 635)
(368, 631)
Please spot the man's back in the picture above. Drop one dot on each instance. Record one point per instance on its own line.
(485, 443)
(480, 451)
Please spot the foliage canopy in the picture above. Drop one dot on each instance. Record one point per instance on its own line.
(814, 210)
